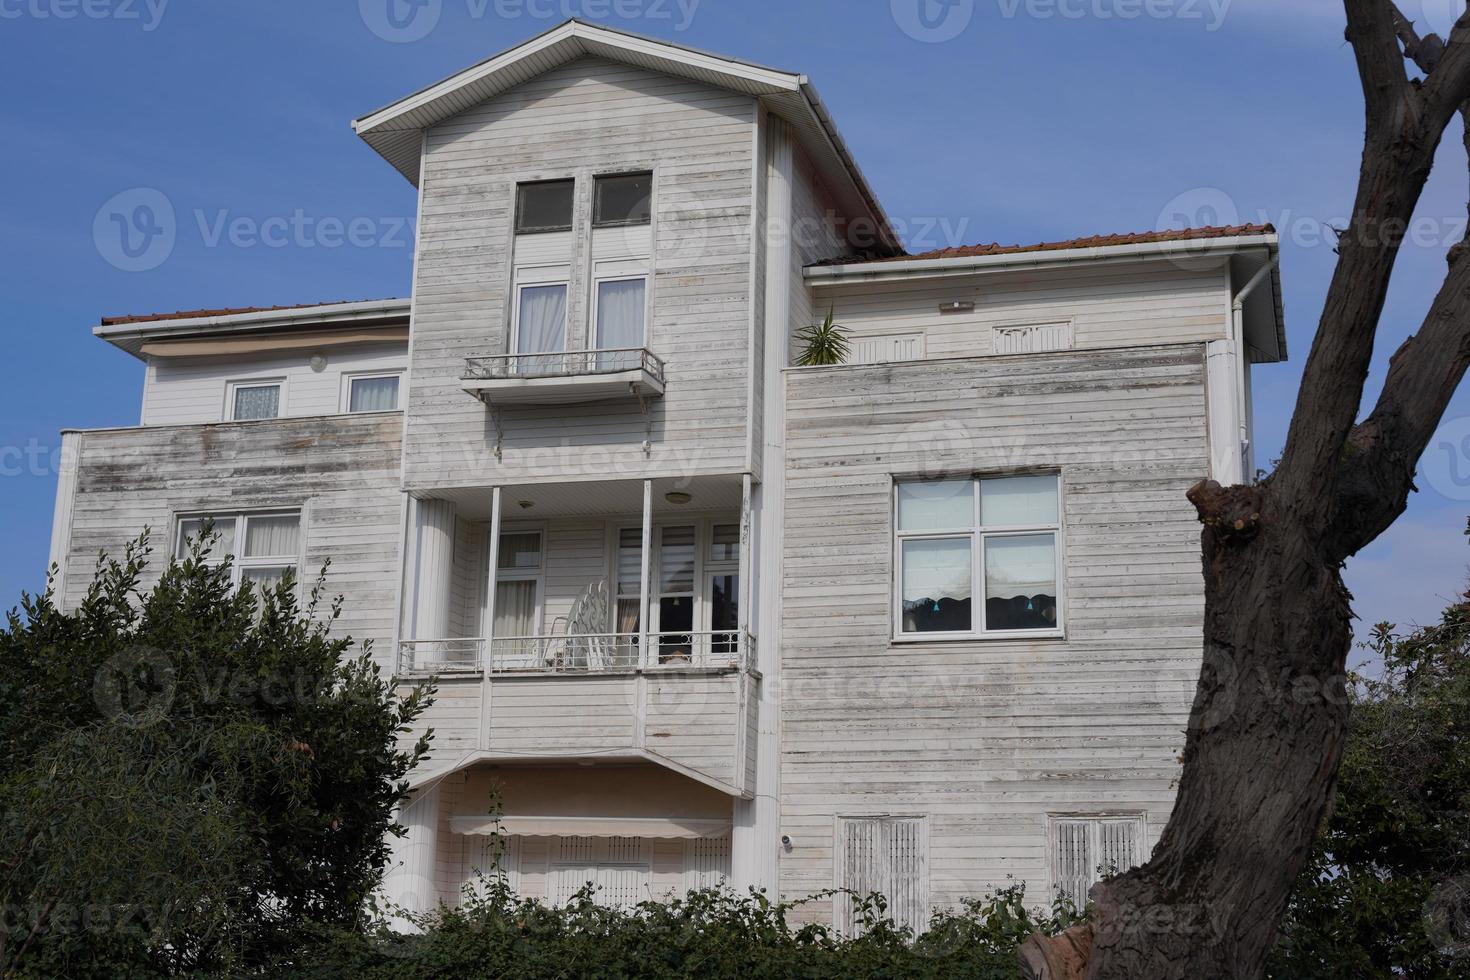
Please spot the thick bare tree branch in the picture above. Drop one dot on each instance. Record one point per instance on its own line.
(1405, 123)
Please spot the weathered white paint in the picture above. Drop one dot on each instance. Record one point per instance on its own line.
(179, 391)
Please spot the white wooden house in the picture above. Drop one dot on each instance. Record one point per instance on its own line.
(922, 622)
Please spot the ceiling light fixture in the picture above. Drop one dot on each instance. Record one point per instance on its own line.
(678, 497)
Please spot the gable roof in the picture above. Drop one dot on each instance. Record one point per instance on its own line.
(395, 131)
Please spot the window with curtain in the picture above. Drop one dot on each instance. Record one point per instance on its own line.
(621, 309)
(373, 394)
(250, 402)
(675, 592)
(991, 538)
(262, 547)
(518, 584)
(722, 569)
(541, 328)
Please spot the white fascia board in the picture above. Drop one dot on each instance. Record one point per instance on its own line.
(577, 30)
(931, 268)
(130, 336)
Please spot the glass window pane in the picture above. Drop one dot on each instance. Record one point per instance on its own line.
(620, 311)
(935, 587)
(630, 561)
(622, 200)
(541, 328)
(373, 395)
(946, 505)
(545, 206)
(675, 623)
(724, 614)
(257, 402)
(520, 550)
(676, 560)
(725, 545)
(224, 529)
(264, 579)
(515, 609)
(1021, 582)
(1018, 501)
(271, 537)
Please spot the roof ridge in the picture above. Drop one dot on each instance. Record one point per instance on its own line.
(115, 321)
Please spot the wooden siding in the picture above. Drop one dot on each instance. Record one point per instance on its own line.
(1107, 307)
(343, 473)
(180, 390)
(985, 738)
(586, 118)
(691, 718)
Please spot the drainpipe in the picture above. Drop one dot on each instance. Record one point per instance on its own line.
(1237, 338)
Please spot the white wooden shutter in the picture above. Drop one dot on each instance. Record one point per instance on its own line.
(1088, 849)
(617, 866)
(1072, 863)
(887, 855)
(1035, 338)
(880, 349)
(708, 862)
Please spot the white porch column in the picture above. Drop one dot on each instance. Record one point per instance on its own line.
(756, 838)
(645, 558)
(487, 630)
(411, 880)
(433, 568)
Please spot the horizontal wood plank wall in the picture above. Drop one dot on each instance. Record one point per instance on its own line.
(586, 118)
(179, 390)
(342, 471)
(1114, 306)
(986, 737)
(815, 237)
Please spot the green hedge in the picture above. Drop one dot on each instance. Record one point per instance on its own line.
(705, 934)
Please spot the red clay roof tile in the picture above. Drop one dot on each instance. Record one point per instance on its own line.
(113, 321)
(1095, 241)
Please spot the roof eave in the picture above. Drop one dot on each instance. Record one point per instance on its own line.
(131, 337)
(827, 275)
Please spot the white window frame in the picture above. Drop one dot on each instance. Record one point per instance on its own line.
(532, 277)
(498, 575)
(235, 385)
(240, 564)
(597, 284)
(351, 376)
(1095, 822)
(705, 568)
(977, 535)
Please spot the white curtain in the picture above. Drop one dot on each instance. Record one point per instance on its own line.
(261, 402)
(374, 395)
(542, 328)
(620, 313)
(935, 570)
(271, 537)
(193, 527)
(1024, 566)
(515, 609)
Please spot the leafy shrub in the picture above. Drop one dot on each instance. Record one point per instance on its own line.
(713, 933)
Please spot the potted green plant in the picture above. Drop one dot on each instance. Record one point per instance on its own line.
(823, 345)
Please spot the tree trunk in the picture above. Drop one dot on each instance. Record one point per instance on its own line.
(1265, 735)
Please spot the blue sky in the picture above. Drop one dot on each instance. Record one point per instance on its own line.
(978, 120)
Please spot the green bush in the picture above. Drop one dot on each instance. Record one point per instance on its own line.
(713, 933)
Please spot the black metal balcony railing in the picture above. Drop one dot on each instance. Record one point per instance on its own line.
(564, 364)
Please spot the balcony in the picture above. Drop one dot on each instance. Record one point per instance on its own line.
(565, 377)
(580, 653)
(582, 626)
